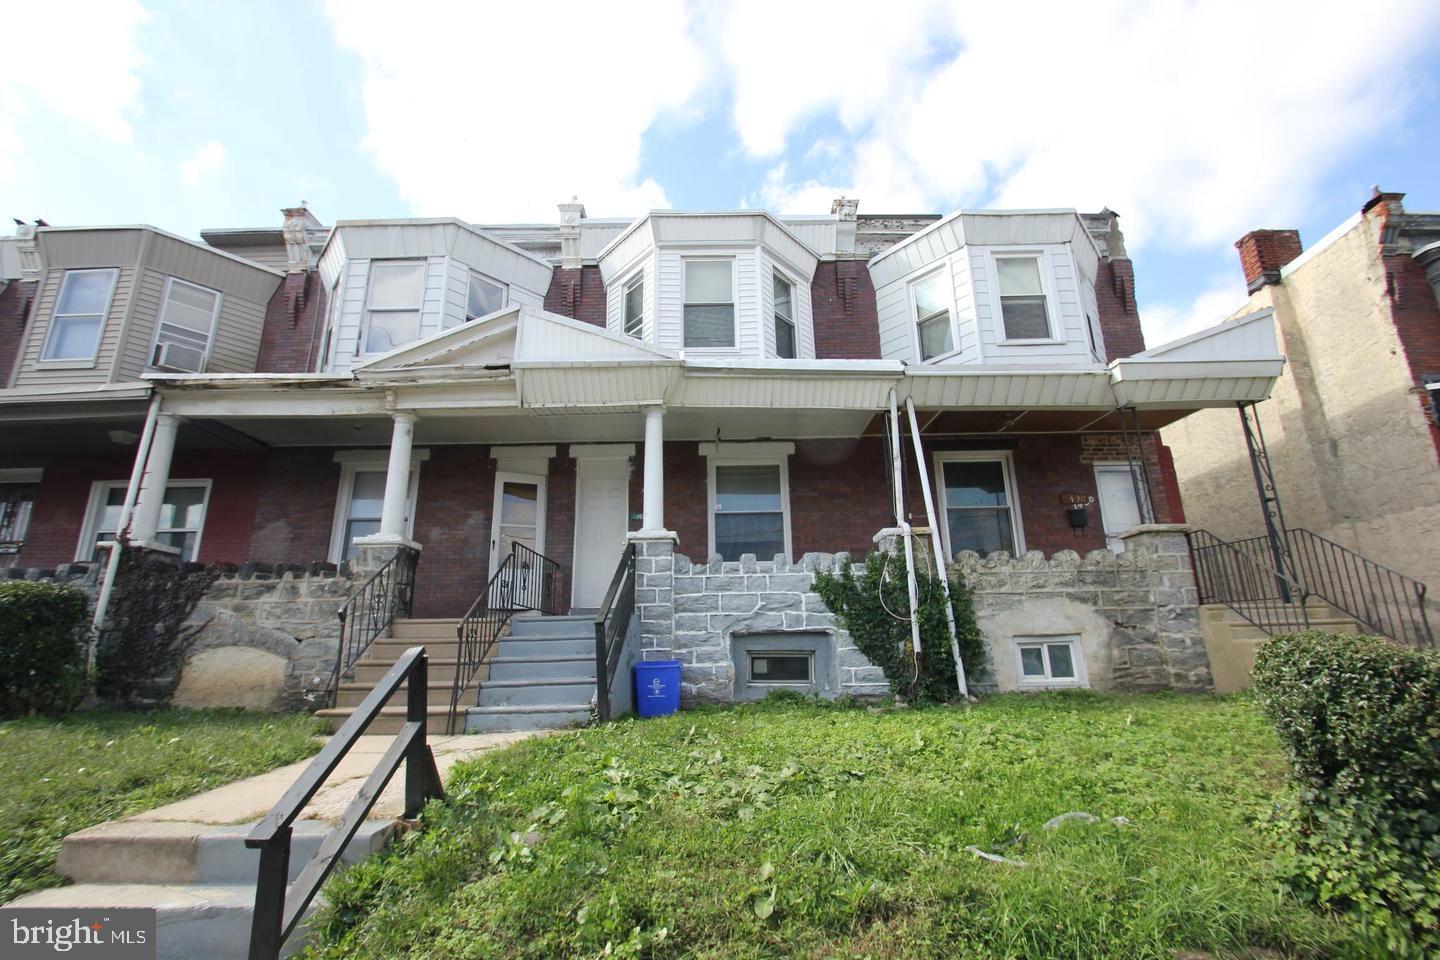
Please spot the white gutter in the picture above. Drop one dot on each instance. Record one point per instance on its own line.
(937, 550)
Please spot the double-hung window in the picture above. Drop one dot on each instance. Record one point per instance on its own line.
(79, 314)
(361, 501)
(977, 494)
(634, 307)
(709, 303)
(749, 510)
(485, 297)
(784, 318)
(1023, 311)
(1049, 662)
(17, 498)
(182, 517)
(933, 297)
(392, 315)
(185, 326)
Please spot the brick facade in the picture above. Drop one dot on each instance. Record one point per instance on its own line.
(294, 326)
(578, 294)
(842, 299)
(15, 301)
(1119, 316)
(1264, 252)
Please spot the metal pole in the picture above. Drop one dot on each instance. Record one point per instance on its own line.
(1269, 495)
(904, 525)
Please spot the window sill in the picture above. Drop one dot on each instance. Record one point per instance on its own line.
(1043, 342)
(65, 364)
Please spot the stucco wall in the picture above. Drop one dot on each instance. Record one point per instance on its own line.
(1350, 447)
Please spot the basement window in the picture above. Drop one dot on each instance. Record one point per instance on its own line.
(777, 667)
(1050, 661)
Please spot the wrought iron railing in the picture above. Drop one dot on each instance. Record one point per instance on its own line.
(369, 611)
(278, 912)
(524, 580)
(612, 624)
(1267, 598)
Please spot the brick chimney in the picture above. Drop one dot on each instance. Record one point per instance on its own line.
(1264, 252)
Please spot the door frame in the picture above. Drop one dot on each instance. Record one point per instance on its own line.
(501, 477)
(1115, 466)
(584, 453)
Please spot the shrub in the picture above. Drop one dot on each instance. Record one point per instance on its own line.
(1360, 721)
(875, 609)
(42, 647)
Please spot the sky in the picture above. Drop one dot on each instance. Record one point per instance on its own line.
(1197, 122)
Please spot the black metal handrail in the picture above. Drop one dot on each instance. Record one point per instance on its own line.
(612, 623)
(524, 580)
(369, 611)
(1265, 597)
(278, 912)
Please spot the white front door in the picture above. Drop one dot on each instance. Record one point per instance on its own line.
(1118, 509)
(519, 515)
(602, 508)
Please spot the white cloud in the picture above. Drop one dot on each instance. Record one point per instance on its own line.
(203, 164)
(498, 111)
(1167, 320)
(87, 76)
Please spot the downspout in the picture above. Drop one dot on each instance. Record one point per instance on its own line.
(937, 550)
(904, 525)
(122, 527)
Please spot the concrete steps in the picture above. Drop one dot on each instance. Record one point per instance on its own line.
(1231, 640)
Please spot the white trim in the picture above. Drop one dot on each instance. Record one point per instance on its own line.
(542, 493)
(364, 334)
(56, 363)
(522, 452)
(1045, 268)
(767, 454)
(160, 318)
(778, 274)
(1116, 466)
(740, 450)
(943, 270)
(734, 300)
(352, 462)
(1006, 458)
(99, 490)
(602, 451)
(1077, 660)
(21, 474)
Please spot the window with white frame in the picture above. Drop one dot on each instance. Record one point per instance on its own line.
(79, 314)
(17, 498)
(634, 307)
(1432, 390)
(359, 506)
(1024, 313)
(774, 666)
(392, 312)
(709, 303)
(182, 517)
(784, 318)
(185, 326)
(749, 508)
(1049, 661)
(977, 493)
(933, 296)
(486, 296)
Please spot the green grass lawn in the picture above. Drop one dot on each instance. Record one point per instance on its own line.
(63, 775)
(803, 830)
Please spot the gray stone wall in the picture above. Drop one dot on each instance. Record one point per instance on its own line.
(286, 610)
(84, 576)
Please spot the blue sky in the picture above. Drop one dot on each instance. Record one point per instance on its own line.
(1196, 122)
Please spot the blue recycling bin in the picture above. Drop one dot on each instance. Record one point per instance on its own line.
(657, 687)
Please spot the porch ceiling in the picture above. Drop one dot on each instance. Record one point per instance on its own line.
(961, 422)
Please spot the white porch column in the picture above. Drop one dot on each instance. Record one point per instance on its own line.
(146, 519)
(397, 480)
(653, 502)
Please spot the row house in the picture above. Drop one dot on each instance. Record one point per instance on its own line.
(715, 395)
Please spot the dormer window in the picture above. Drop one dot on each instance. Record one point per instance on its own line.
(784, 318)
(635, 307)
(185, 326)
(1023, 310)
(486, 296)
(932, 315)
(709, 304)
(79, 315)
(392, 316)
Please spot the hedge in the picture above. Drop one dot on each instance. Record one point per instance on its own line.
(1360, 721)
(43, 628)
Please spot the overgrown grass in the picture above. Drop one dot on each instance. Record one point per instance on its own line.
(797, 829)
(62, 775)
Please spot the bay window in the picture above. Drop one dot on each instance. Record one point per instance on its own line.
(79, 314)
(634, 307)
(485, 297)
(392, 313)
(1023, 311)
(709, 304)
(932, 299)
(784, 318)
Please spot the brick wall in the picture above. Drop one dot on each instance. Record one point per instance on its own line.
(1119, 316)
(1266, 251)
(842, 298)
(294, 326)
(579, 294)
(1416, 316)
(296, 505)
(15, 302)
(560, 520)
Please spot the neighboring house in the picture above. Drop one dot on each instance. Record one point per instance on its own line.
(714, 386)
(1351, 427)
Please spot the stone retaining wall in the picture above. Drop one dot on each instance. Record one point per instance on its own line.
(84, 576)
